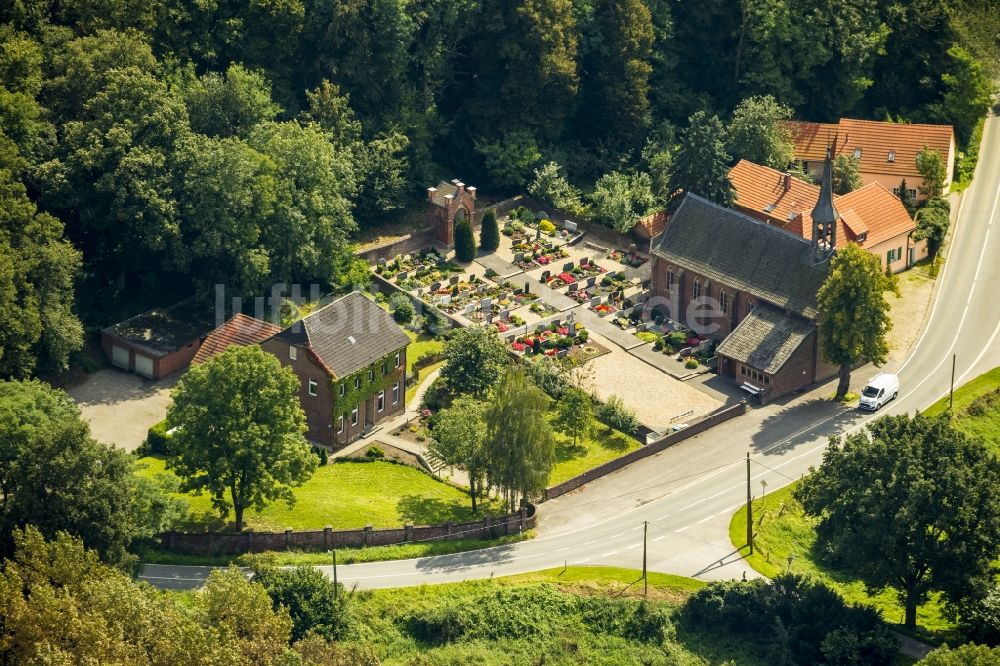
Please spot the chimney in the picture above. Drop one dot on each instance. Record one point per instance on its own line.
(431, 191)
(786, 181)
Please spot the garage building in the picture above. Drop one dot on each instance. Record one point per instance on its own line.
(159, 342)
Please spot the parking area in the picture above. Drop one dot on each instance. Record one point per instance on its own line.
(120, 407)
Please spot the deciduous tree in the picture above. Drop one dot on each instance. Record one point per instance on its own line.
(619, 199)
(240, 431)
(551, 187)
(519, 439)
(932, 169)
(933, 221)
(846, 174)
(459, 435)
(475, 360)
(853, 312)
(911, 504)
(757, 133)
(575, 413)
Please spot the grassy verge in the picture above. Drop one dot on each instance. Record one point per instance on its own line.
(599, 446)
(344, 495)
(976, 411)
(782, 530)
(411, 391)
(402, 551)
(420, 344)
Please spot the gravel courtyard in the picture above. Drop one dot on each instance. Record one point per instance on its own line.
(120, 407)
(656, 397)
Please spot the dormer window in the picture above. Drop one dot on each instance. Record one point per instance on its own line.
(768, 208)
(857, 153)
(891, 158)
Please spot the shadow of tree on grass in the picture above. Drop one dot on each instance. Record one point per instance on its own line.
(432, 511)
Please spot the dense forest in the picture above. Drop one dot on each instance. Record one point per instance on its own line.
(151, 149)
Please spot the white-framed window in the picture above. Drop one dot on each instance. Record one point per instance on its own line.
(357, 382)
(342, 389)
(385, 368)
(395, 393)
(857, 153)
(340, 425)
(398, 357)
(371, 374)
(891, 157)
(293, 353)
(381, 401)
(354, 415)
(312, 387)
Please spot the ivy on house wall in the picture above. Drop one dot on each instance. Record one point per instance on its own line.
(343, 404)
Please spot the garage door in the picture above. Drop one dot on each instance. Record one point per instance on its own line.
(119, 356)
(143, 366)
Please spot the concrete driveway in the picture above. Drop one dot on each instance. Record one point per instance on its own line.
(120, 407)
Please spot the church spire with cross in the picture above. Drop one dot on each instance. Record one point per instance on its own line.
(825, 215)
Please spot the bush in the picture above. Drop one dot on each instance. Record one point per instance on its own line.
(546, 227)
(615, 414)
(979, 619)
(435, 323)
(311, 598)
(550, 377)
(465, 242)
(323, 457)
(691, 364)
(489, 232)
(375, 453)
(402, 308)
(807, 622)
(648, 336)
(157, 439)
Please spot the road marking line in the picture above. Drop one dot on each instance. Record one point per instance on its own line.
(681, 529)
(660, 538)
(705, 520)
(614, 552)
(633, 546)
(586, 559)
(615, 536)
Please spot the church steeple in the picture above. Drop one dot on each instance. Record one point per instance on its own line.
(825, 216)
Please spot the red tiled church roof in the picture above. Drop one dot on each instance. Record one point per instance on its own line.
(240, 330)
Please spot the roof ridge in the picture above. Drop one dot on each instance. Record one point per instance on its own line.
(770, 227)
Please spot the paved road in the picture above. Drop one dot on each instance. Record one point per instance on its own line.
(688, 493)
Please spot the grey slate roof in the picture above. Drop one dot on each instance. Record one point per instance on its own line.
(766, 338)
(347, 335)
(769, 263)
(443, 189)
(165, 330)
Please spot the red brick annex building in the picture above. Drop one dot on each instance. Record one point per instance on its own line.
(751, 285)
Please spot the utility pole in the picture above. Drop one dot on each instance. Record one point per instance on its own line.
(336, 592)
(749, 508)
(645, 581)
(951, 392)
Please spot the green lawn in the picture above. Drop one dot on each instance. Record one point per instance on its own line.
(599, 446)
(344, 495)
(984, 425)
(420, 344)
(782, 529)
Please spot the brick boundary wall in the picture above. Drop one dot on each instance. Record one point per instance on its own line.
(218, 543)
(652, 448)
(408, 243)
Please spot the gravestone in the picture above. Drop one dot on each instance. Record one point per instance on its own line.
(572, 288)
(562, 353)
(505, 314)
(584, 261)
(420, 291)
(519, 257)
(595, 301)
(445, 299)
(382, 263)
(568, 266)
(570, 318)
(469, 307)
(454, 279)
(591, 281)
(546, 275)
(435, 286)
(487, 304)
(402, 275)
(569, 226)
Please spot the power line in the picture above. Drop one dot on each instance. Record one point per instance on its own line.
(773, 470)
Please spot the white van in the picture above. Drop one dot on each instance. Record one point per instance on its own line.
(880, 390)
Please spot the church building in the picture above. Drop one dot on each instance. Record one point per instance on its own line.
(752, 286)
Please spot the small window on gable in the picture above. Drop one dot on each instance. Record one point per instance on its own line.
(342, 390)
(397, 359)
(857, 153)
(891, 157)
(357, 382)
(312, 387)
(292, 352)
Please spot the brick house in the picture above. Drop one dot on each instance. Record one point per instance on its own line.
(871, 217)
(350, 357)
(448, 203)
(240, 330)
(886, 152)
(752, 286)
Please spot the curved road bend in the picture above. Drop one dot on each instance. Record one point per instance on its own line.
(688, 493)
